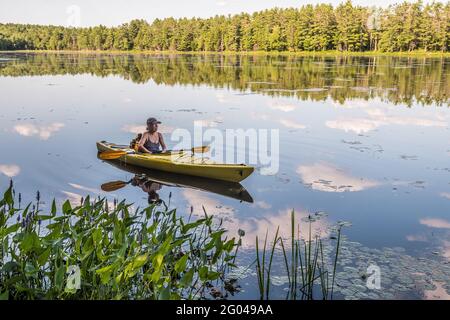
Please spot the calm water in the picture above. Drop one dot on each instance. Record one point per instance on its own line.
(364, 139)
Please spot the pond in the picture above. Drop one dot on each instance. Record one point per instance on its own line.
(364, 139)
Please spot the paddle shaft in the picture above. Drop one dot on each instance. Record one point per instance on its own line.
(112, 155)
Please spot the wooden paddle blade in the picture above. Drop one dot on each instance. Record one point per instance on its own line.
(113, 185)
(202, 149)
(111, 155)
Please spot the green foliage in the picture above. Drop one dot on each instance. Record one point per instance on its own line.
(148, 254)
(403, 27)
(384, 77)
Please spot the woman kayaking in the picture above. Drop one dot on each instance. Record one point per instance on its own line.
(151, 139)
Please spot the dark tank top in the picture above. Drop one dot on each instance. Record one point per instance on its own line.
(151, 146)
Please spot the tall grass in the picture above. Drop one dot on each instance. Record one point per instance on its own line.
(305, 264)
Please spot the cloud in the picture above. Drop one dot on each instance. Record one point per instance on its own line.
(439, 293)
(263, 205)
(445, 195)
(197, 199)
(435, 223)
(328, 178)
(283, 107)
(44, 132)
(136, 128)
(357, 125)
(417, 237)
(83, 188)
(377, 118)
(9, 170)
(259, 116)
(446, 249)
(209, 123)
(221, 98)
(291, 124)
(74, 198)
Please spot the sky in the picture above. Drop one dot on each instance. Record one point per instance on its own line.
(116, 12)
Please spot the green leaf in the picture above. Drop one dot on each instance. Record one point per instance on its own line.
(139, 261)
(88, 245)
(30, 269)
(156, 276)
(10, 229)
(44, 217)
(203, 273)
(186, 279)
(189, 226)
(213, 275)
(4, 295)
(10, 266)
(165, 293)
(8, 197)
(97, 236)
(29, 242)
(53, 211)
(165, 247)
(5, 244)
(228, 246)
(105, 273)
(157, 261)
(180, 265)
(67, 208)
(59, 276)
(43, 257)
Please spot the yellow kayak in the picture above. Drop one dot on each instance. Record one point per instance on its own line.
(182, 163)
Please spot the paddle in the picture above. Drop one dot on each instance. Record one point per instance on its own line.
(112, 155)
(114, 185)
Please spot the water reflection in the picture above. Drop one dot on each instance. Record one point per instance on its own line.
(267, 221)
(435, 223)
(377, 118)
(307, 78)
(328, 178)
(151, 181)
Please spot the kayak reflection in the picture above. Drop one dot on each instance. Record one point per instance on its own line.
(151, 181)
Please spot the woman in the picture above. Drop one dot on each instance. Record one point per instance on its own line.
(152, 139)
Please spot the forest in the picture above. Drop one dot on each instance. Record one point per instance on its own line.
(404, 27)
(340, 78)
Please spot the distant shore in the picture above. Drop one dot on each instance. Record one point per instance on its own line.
(413, 54)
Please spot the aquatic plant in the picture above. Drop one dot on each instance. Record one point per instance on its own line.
(306, 266)
(97, 251)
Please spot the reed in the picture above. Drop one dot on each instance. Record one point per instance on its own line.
(305, 265)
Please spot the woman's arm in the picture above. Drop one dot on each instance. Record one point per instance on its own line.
(161, 140)
(142, 142)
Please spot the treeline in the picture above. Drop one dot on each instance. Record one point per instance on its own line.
(339, 78)
(398, 28)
